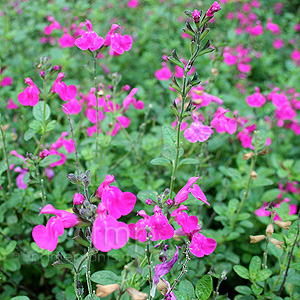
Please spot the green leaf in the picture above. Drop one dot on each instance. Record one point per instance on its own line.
(263, 275)
(175, 59)
(136, 251)
(10, 247)
(148, 194)
(169, 134)
(233, 205)
(160, 161)
(204, 287)
(105, 277)
(35, 125)
(241, 271)
(20, 298)
(256, 289)
(50, 159)
(169, 152)
(189, 161)
(50, 126)
(187, 289)
(270, 195)
(29, 134)
(38, 111)
(254, 266)
(243, 289)
(262, 182)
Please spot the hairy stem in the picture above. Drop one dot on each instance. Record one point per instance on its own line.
(76, 280)
(41, 183)
(6, 160)
(122, 288)
(97, 108)
(88, 273)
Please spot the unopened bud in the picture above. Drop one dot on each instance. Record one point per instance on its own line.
(253, 175)
(247, 155)
(263, 152)
(148, 201)
(78, 199)
(170, 202)
(44, 153)
(135, 294)
(105, 290)
(276, 243)
(284, 225)
(270, 230)
(162, 287)
(256, 238)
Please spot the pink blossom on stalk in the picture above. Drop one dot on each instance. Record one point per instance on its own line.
(244, 68)
(188, 223)
(107, 232)
(54, 25)
(138, 231)
(257, 29)
(118, 203)
(296, 56)
(278, 43)
(274, 28)
(90, 39)
(196, 16)
(65, 92)
(222, 123)
(107, 41)
(69, 145)
(72, 107)
(129, 99)
(214, 8)
(120, 43)
(46, 237)
(44, 153)
(133, 3)
(6, 81)
(66, 40)
(197, 131)
(160, 227)
(78, 199)
(256, 99)
(297, 27)
(11, 104)
(201, 245)
(164, 73)
(31, 94)
(21, 184)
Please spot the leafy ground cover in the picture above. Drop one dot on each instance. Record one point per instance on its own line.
(149, 150)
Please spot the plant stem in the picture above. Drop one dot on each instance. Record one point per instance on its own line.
(44, 119)
(41, 182)
(148, 254)
(122, 290)
(6, 160)
(88, 272)
(291, 255)
(76, 279)
(281, 271)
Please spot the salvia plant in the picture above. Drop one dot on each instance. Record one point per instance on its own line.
(104, 195)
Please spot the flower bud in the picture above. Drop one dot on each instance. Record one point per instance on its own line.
(162, 287)
(44, 153)
(42, 74)
(270, 230)
(78, 199)
(247, 155)
(253, 175)
(148, 201)
(256, 238)
(276, 243)
(105, 290)
(284, 225)
(170, 202)
(196, 16)
(135, 294)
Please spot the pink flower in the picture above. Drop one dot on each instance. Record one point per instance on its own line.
(69, 145)
(164, 73)
(31, 94)
(278, 43)
(72, 107)
(107, 232)
(196, 16)
(160, 227)
(229, 59)
(118, 203)
(21, 184)
(44, 153)
(65, 92)
(66, 41)
(244, 68)
(197, 131)
(107, 41)
(296, 56)
(183, 194)
(256, 30)
(47, 237)
(257, 99)
(129, 99)
(6, 81)
(222, 123)
(54, 25)
(138, 231)
(214, 8)
(78, 199)
(11, 104)
(272, 27)
(188, 223)
(120, 43)
(133, 3)
(201, 245)
(90, 39)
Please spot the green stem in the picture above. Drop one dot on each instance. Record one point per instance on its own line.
(148, 254)
(6, 160)
(41, 183)
(88, 272)
(96, 95)
(122, 288)
(44, 120)
(76, 279)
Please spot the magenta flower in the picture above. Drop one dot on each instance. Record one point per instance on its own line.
(46, 237)
(213, 9)
(65, 92)
(44, 153)
(183, 194)
(201, 245)
(31, 94)
(6, 81)
(256, 99)
(54, 25)
(160, 227)
(90, 39)
(66, 41)
(107, 232)
(164, 73)
(107, 41)
(72, 107)
(188, 223)
(118, 203)
(78, 199)
(11, 104)
(196, 16)
(129, 99)
(257, 29)
(222, 123)
(120, 43)
(274, 28)
(138, 231)
(21, 184)
(197, 131)
(133, 3)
